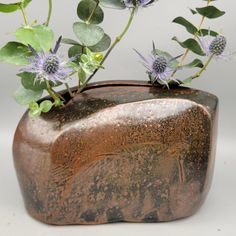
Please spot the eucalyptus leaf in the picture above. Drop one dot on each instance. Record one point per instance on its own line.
(15, 53)
(34, 110)
(69, 41)
(46, 106)
(82, 76)
(74, 53)
(103, 45)
(11, 7)
(117, 4)
(28, 81)
(40, 37)
(34, 113)
(210, 12)
(86, 8)
(26, 96)
(88, 34)
(192, 45)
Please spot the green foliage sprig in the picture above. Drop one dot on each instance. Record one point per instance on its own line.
(203, 42)
(193, 44)
(43, 70)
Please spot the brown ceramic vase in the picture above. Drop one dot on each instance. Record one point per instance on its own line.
(119, 151)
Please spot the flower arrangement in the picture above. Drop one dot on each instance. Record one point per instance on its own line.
(44, 69)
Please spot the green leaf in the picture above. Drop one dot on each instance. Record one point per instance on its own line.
(28, 82)
(117, 4)
(189, 26)
(40, 37)
(34, 110)
(88, 34)
(187, 81)
(173, 62)
(103, 45)
(26, 2)
(204, 32)
(75, 51)
(46, 106)
(163, 53)
(82, 76)
(8, 8)
(193, 11)
(210, 12)
(15, 53)
(86, 8)
(25, 96)
(192, 45)
(34, 113)
(195, 63)
(69, 41)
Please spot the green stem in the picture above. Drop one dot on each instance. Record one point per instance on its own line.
(195, 36)
(50, 91)
(53, 93)
(117, 40)
(92, 13)
(22, 8)
(49, 12)
(199, 73)
(69, 90)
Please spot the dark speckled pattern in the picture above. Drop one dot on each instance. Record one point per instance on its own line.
(120, 151)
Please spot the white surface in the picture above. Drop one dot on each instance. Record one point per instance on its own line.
(216, 217)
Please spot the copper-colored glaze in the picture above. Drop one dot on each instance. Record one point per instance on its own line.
(120, 151)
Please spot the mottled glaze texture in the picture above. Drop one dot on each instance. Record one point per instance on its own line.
(120, 151)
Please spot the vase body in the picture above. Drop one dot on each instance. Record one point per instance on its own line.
(120, 151)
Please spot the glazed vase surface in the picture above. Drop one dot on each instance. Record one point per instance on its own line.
(121, 151)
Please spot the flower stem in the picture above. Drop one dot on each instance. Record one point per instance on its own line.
(52, 93)
(195, 36)
(22, 8)
(49, 12)
(198, 74)
(117, 40)
(69, 90)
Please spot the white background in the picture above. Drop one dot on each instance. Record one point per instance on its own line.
(217, 216)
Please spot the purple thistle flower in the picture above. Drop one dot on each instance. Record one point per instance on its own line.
(138, 3)
(48, 66)
(213, 45)
(160, 68)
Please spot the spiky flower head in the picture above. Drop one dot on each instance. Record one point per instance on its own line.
(48, 66)
(213, 45)
(160, 67)
(137, 3)
(218, 45)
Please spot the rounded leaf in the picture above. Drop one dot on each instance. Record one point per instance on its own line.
(103, 45)
(26, 96)
(40, 37)
(46, 106)
(88, 7)
(15, 53)
(28, 81)
(117, 4)
(88, 34)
